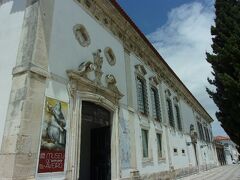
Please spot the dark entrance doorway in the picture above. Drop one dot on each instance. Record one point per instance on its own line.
(95, 158)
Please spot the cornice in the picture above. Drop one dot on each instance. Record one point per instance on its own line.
(114, 19)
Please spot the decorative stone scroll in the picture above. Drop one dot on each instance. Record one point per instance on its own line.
(140, 70)
(111, 83)
(176, 100)
(154, 80)
(168, 93)
(79, 80)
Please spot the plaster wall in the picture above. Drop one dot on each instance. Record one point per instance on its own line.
(65, 51)
(176, 139)
(11, 19)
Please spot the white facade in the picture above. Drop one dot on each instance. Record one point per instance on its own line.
(11, 19)
(56, 51)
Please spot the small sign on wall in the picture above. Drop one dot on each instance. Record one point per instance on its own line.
(53, 140)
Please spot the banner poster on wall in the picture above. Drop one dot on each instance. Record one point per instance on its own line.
(53, 140)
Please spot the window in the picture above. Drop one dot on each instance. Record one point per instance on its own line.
(183, 152)
(200, 130)
(170, 112)
(145, 142)
(175, 151)
(142, 96)
(207, 134)
(159, 144)
(155, 104)
(178, 117)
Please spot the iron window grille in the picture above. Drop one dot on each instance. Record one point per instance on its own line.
(178, 117)
(200, 130)
(155, 104)
(170, 112)
(207, 134)
(142, 96)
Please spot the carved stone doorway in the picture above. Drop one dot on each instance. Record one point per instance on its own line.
(95, 161)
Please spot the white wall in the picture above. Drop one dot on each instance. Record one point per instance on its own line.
(11, 19)
(65, 51)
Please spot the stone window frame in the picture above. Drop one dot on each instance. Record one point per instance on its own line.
(149, 159)
(83, 38)
(140, 73)
(160, 157)
(169, 107)
(143, 130)
(177, 111)
(206, 132)
(110, 56)
(200, 131)
(155, 98)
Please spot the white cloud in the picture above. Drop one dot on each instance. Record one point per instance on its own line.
(183, 42)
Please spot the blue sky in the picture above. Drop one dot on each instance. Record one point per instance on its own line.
(182, 27)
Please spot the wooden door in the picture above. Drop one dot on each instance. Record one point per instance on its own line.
(101, 154)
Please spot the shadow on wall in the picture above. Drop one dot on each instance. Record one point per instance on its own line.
(17, 5)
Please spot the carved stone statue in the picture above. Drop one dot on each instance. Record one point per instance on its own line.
(84, 68)
(98, 61)
(193, 134)
(111, 83)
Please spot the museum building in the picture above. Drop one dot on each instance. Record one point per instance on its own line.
(84, 95)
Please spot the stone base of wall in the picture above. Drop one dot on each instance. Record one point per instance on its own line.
(172, 174)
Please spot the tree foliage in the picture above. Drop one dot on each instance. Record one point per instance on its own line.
(225, 61)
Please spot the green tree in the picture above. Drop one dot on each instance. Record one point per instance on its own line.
(225, 61)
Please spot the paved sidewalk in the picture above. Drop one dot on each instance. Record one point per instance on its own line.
(230, 172)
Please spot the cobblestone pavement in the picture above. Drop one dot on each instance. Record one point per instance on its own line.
(230, 172)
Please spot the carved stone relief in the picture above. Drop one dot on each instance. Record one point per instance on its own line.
(111, 83)
(79, 79)
(140, 70)
(98, 61)
(133, 42)
(81, 35)
(168, 93)
(154, 80)
(110, 56)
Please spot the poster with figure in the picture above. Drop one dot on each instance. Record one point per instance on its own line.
(53, 140)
